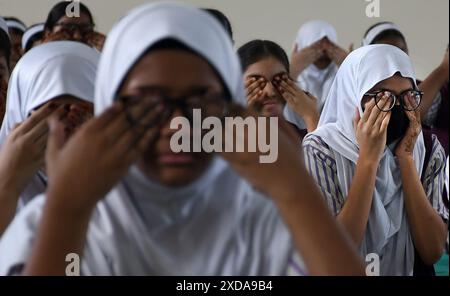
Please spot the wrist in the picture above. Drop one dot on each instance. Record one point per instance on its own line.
(367, 163)
(311, 121)
(68, 201)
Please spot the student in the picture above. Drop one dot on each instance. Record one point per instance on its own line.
(268, 86)
(5, 53)
(371, 166)
(62, 73)
(32, 37)
(314, 63)
(170, 214)
(16, 29)
(434, 110)
(59, 26)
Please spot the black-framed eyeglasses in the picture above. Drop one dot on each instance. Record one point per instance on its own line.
(82, 28)
(409, 100)
(210, 105)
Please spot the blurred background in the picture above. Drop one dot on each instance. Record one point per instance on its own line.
(425, 23)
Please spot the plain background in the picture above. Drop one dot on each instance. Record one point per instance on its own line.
(425, 23)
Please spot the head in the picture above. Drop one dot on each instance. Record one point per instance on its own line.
(391, 36)
(366, 70)
(223, 20)
(58, 20)
(324, 61)
(16, 30)
(317, 31)
(189, 58)
(399, 122)
(177, 72)
(61, 72)
(32, 37)
(265, 59)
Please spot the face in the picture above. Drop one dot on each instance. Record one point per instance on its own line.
(268, 68)
(175, 73)
(395, 84)
(324, 61)
(16, 47)
(78, 25)
(397, 42)
(78, 112)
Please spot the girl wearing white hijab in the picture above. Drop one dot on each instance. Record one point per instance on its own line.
(170, 214)
(434, 111)
(370, 168)
(32, 36)
(314, 63)
(60, 72)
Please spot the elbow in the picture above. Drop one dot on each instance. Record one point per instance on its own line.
(432, 255)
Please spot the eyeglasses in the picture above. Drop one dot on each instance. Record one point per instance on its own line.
(82, 28)
(214, 105)
(409, 99)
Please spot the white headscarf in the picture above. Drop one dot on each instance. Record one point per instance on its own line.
(44, 73)
(312, 79)
(30, 32)
(387, 233)
(4, 26)
(377, 30)
(13, 24)
(217, 225)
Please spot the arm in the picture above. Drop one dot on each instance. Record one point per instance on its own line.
(432, 85)
(370, 132)
(427, 228)
(305, 105)
(21, 156)
(91, 163)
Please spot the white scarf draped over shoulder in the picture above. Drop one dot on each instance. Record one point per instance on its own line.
(387, 233)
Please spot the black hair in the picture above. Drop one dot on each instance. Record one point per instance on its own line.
(387, 34)
(59, 10)
(256, 50)
(5, 46)
(223, 20)
(33, 38)
(15, 30)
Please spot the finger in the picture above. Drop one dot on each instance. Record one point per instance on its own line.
(374, 113)
(55, 138)
(255, 86)
(385, 122)
(380, 119)
(254, 99)
(368, 109)
(36, 117)
(104, 119)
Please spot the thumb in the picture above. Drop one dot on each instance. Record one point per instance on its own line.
(55, 138)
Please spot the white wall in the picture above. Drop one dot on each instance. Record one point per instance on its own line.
(424, 22)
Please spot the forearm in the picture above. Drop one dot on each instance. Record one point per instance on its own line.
(9, 196)
(8, 206)
(311, 122)
(355, 211)
(324, 246)
(427, 228)
(431, 87)
(62, 231)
